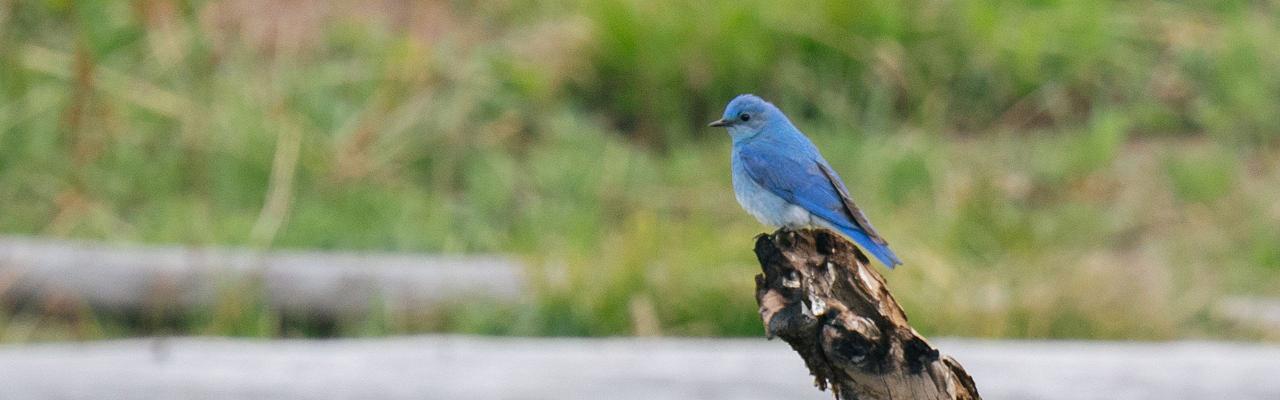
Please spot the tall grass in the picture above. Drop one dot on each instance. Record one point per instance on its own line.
(1082, 169)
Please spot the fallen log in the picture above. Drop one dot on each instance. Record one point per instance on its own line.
(482, 367)
(818, 293)
(127, 278)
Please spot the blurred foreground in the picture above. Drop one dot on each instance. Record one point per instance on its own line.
(475, 368)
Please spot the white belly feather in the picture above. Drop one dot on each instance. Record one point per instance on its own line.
(767, 207)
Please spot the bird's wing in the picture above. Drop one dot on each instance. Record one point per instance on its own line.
(849, 207)
(809, 183)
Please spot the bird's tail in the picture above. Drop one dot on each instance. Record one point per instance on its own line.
(880, 251)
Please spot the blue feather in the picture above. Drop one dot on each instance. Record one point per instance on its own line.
(881, 252)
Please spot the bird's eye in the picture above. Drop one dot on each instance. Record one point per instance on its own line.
(744, 117)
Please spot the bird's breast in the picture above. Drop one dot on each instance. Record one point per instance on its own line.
(767, 207)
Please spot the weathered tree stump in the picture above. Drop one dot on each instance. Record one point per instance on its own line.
(819, 294)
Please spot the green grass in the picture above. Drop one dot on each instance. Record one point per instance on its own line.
(1082, 169)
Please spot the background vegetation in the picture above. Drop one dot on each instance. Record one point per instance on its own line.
(1082, 169)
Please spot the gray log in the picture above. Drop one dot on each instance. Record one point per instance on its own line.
(818, 293)
(131, 278)
(475, 368)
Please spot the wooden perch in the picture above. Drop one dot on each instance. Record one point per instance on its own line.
(819, 294)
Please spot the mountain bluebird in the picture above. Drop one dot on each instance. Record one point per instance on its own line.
(779, 177)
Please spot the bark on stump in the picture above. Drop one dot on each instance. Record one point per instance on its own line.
(820, 295)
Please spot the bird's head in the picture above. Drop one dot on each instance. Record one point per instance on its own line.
(747, 115)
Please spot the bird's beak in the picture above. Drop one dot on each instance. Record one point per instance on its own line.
(718, 123)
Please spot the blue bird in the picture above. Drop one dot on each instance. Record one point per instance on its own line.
(780, 178)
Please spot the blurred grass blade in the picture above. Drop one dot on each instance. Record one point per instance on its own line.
(132, 90)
